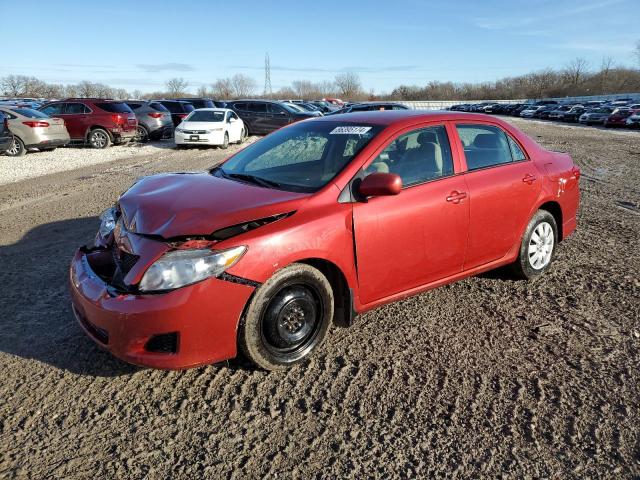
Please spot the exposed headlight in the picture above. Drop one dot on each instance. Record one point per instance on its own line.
(108, 220)
(179, 130)
(183, 267)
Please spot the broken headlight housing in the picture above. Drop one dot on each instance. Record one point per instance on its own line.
(108, 220)
(178, 268)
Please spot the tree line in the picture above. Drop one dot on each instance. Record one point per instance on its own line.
(576, 78)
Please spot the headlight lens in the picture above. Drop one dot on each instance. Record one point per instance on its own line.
(183, 267)
(108, 220)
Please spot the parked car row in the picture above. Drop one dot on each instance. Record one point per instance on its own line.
(618, 113)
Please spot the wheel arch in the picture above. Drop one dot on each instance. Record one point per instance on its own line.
(554, 209)
(94, 127)
(344, 311)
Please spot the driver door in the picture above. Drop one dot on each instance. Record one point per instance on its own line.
(419, 236)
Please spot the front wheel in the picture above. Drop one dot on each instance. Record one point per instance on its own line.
(288, 318)
(538, 245)
(99, 138)
(17, 148)
(225, 142)
(243, 135)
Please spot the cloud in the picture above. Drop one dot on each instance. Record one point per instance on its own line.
(611, 47)
(493, 23)
(165, 67)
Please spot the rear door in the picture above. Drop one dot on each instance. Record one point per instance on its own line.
(258, 113)
(419, 236)
(75, 117)
(503, 187)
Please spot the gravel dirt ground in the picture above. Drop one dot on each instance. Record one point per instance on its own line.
(486, 378)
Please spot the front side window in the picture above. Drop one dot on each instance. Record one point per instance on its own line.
(257, 107)
(417, 157)
(484, 146)
(54, 109)
(301, 158)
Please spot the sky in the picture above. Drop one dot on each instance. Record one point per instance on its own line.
(141, 44)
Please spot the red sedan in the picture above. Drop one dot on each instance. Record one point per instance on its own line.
(314, 223)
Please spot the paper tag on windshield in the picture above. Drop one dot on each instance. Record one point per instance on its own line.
(349, 130)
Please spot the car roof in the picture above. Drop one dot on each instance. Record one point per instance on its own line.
(392, 117)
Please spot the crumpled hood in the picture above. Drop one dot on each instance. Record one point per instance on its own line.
(176, 205)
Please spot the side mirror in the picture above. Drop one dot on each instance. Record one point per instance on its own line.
(380, 184)
(231, 120)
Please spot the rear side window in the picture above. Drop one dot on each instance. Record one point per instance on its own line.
(75, 109)
(114, 107)
(188, 107)
(417, 157)
(516, 152)
(257, 107)
(134, 106)
(239, 106)
(484, 146)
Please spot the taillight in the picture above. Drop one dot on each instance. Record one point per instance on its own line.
(36, 124)
(155, 115)
(118, 119)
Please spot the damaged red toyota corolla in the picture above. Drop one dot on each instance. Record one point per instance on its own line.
(305, 228)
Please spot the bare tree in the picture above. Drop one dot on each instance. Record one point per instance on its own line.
(176, 87)
(202, 91)
(13, 85)
(137, 94)
(349, 86)
(242, 86)
(636, 53)
(575, 70)
(222, 88)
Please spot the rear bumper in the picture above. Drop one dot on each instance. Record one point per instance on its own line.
(203, 317)
(53, 143)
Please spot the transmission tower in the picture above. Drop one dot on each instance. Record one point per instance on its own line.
(267, 76)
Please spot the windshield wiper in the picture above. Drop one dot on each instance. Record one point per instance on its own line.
(263, 182)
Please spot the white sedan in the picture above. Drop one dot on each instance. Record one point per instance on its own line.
(210, 126)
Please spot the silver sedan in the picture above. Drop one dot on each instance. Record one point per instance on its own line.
(33, 129)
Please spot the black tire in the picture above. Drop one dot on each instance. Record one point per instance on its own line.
(243, 135)
(142, 134)
(288, 318)
(524, 267)
(99, 138)
(17, 148)
(225, 143)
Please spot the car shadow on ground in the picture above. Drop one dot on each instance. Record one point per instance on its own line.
(37, 321)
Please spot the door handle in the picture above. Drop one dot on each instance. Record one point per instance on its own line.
(528, 178)
(456, 197)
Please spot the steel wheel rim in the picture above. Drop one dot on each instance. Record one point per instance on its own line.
(292, 320)
(99, 139)
(15, 148)
(541, 246)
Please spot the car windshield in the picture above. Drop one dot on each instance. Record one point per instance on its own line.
(301, 158)
(29, 113)
(205, 116)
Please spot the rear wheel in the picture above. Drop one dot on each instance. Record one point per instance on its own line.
(538, 245)
(99, 138)
(288, 318)
(142, 134)
(17, 148)
(225, 142)
(243, 135)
